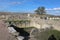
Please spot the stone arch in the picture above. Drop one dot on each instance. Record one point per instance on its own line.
(34, 31)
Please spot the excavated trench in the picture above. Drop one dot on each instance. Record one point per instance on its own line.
(22, 32)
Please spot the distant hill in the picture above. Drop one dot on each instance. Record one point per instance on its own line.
(11, 13)
(17, 13)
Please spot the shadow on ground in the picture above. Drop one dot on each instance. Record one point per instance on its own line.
(21, 31)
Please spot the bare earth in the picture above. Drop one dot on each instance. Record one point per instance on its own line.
(4, 34)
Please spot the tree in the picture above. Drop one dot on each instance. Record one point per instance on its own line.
(40, 10)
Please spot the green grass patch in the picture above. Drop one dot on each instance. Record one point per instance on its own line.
(46, 34)
(56, 34)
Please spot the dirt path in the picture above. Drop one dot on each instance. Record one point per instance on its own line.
(3, 31)
(4, 34)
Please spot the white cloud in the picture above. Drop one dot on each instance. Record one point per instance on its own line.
(2, 7)
(14, 3)
(18, 2)
(53, 8)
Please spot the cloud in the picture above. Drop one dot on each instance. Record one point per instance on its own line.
(14, 3)
(53, 8)
(2, 7)
(17, 2)
(54, 11)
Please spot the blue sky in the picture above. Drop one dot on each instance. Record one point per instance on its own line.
(52, 6)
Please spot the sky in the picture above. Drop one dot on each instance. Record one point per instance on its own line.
(51, 6)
